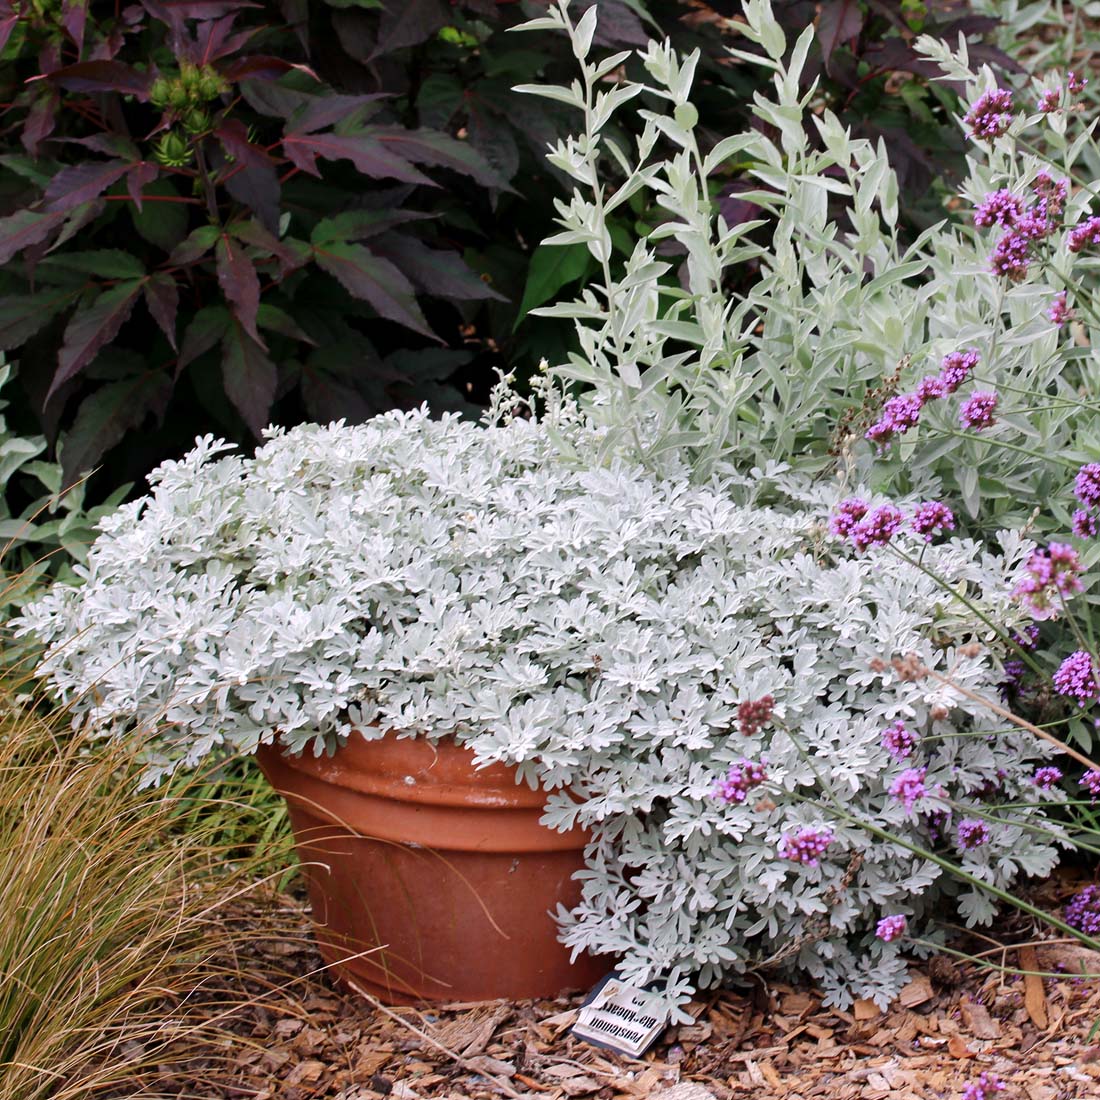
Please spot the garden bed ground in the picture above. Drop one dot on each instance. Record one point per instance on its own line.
(302, 1039)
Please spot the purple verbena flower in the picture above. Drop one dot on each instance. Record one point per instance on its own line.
(876, 528)
(1049, 100)
(1027, 637)
(972, 833)
(931, 388)
(957, 367)
(932, 518)
(1083, 911)
(977, 410)
(1053, 192)
(1012, 256)
(1083, 234)
(1052, 570)
(739, 780)
(806, 846)
(1046, 778)
(890, 928)
(998, 208)
(909, 787)
(1086, 485)
(1075, 84)
(1059, 312)
(898, 740)
(1084, 524)
(990, 115)
(983, 1087)
(848, 513)
(1014, 676)
(1091, 782)
(1076, 678)
(899, 414)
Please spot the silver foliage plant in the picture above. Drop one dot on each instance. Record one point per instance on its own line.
(598, 624)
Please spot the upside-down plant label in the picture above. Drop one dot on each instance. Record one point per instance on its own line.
(621, 1017)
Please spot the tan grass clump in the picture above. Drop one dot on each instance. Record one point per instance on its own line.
(119, 950)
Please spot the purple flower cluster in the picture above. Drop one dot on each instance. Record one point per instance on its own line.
(972, 833)
(1047, 778)
(932, 518)
(1059, 312)
(1086, 487)
(1091, 782)
(864, 526)
(739, 780)
(983, 1087)
(1083, 911)
(877, 527)
(1076, 678)
(898, 740)
(978, 409)
(806, 846)
(1083, 234)
(1084, 524)
(991, 115)
(890, 928)
(909, 787)
(998, 208)
(1024, 225)
(1052, 571)
(902, 412)
(1015, 670)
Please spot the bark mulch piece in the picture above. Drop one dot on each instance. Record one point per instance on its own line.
(302, 1038)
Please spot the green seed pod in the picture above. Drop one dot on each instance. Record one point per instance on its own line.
(211, 86)
(190, 75)
(196, 121)
(178, 96)
(160, 92)
(173, 151)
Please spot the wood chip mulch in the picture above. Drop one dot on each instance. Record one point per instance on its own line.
(304, 1039)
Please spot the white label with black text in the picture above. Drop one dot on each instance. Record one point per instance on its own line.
(622, 1017)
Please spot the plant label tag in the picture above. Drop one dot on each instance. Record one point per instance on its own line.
(621, 1017)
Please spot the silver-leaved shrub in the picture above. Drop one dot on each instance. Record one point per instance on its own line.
(614, 630)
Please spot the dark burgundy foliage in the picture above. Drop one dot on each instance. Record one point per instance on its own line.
(215, 215)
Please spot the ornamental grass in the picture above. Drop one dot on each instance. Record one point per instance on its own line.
(116, 916)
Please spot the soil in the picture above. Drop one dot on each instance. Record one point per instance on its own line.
(301, 1038)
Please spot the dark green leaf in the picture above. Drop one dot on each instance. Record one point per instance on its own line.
(552, 267)
(21, 317)
(206, 328)
(24, 228)
(107, 263)
(196, 244)
(159, 220)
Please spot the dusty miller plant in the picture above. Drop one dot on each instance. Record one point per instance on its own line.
(604, 627)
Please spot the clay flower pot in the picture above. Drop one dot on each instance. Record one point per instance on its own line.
(441, 868)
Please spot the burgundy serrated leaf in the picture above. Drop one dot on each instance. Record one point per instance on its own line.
(25, 228)
(101, 76)
(321, 111)
(443, 274)
(74, 13)
(92, 328)
(239, 282)
(249, 377)
(139, 177)
(8, 20)
(253, 233)
(254, 179)
(162, 296)
(375, 280)
(41, 119)
(838, 22)
(408, 23)
(368, 155)
(82, 182)
(262, 67)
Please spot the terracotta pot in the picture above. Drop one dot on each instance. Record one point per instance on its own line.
(440, 868)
